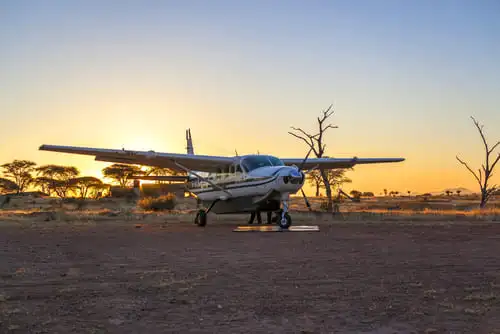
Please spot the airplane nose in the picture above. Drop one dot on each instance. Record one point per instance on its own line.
(294, 177)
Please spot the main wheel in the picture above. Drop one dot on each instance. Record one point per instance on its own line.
(201, 218)
(285, 222)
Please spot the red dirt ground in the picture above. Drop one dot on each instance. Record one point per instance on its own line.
(347, 278)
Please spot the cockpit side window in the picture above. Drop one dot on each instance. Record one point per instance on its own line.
(275, 161)
(250, 163)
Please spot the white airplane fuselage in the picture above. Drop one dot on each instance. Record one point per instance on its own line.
(256, 183)
(245, 187)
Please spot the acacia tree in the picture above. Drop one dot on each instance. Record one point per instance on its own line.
(85, 184)
(315, 143)
(19, 171)
(355, 193)
(162, 171)
(315, 179)
(122, 173)
(335, 178)
(7, 186)
(56, 179)
(486, 171)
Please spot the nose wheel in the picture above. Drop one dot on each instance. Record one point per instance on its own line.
(285, 221)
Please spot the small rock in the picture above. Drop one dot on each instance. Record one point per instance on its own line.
(219, 306)
(116, 322)
(73, 272)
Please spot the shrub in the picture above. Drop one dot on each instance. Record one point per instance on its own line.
(323, 205)
(165, 202)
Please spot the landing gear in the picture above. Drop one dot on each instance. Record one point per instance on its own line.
(285, 221)
(201, 215)
(201, 218)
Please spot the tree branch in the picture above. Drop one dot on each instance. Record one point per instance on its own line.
(480, 128)
(494, 146)
(331, 127)
(300, 137)
(327, 112)
(311, 145)
(494, 163)
(470, 170)
(305, 133)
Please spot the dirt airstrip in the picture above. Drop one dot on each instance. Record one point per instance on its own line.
(350, 277)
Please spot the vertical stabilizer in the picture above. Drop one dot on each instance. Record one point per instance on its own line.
(189, 142)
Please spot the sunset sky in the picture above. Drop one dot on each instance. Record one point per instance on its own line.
(403, 76)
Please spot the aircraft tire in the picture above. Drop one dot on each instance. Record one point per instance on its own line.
(201, 218)
(286, 223)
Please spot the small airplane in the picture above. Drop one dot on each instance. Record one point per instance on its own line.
(229, 184)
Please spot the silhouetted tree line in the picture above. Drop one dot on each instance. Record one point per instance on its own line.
(61, 181)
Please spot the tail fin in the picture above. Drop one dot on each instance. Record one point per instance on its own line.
(189, 142)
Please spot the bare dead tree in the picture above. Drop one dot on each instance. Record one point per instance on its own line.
(484, 174)
(315, 143)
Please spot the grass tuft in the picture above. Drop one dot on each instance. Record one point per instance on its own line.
(165, 202)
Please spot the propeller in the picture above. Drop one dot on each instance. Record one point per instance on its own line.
(305, 159)
(306, 200)
(304, 176)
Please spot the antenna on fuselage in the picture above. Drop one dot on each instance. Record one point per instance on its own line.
(189, 142)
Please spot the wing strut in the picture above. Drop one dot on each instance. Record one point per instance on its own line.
(201, 177)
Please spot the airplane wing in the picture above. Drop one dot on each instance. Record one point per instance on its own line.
(334, 163)
(201, 163)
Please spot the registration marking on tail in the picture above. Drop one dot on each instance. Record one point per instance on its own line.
(276, 229)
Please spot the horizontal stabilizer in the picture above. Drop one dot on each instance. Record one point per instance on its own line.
(171, 178)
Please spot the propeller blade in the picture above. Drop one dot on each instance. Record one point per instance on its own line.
(310, 170)
(306, 200)
(305, 159)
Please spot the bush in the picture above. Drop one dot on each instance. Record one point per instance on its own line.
(165, 202)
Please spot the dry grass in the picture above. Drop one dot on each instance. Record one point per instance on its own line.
(22, 210)
(436, 212)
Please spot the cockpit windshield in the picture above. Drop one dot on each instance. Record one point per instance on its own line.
(252, 162)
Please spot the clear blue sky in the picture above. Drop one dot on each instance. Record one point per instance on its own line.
(404, 77)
